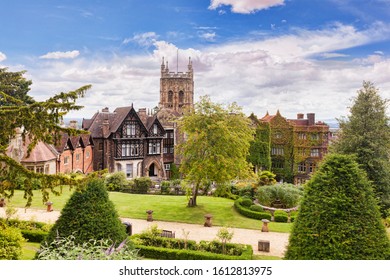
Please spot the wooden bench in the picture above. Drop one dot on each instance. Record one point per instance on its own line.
(167, 233)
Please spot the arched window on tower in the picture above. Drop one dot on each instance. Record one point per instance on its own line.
(170, 98)
(181, 98)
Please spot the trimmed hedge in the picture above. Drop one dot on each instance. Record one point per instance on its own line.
(173, 249)
(256, 208)
(280, 218)
(249, 213)
(160, 253)
(34, 235)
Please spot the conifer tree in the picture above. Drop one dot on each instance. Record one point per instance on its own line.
(89, 214)
(40, 122)
(338, 218)
(366, 134)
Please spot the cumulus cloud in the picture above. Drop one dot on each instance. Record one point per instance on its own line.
(267, 74)
(2, 56)
(245, 6)
(61, 55)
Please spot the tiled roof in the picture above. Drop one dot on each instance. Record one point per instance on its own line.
(115, 120)
(42, 152)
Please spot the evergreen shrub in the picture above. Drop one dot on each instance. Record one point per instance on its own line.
(142, 185)
(89, 214)
(256, 208)
(116, 181)
(10, 243)
(246, 202)
(339, 217)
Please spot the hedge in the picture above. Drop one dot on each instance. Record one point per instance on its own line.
(173, 249)
(280, 218)
(160, 253)
(34, 235)
(249, 213)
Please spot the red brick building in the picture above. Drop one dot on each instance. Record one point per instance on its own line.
(75, 154)
(297, 145)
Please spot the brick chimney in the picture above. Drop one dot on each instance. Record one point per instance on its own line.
(106, 122)
(142, 114)
(311, 118)
(300, 116)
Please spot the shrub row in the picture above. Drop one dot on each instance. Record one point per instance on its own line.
(174, 249)
(249, 213)
(34, 235)
(161, 253)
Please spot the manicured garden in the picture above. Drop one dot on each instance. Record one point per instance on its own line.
(166, 208)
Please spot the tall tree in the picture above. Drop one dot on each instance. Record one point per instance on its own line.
(40, 122)
(366, 134)
(338, 217)
(16, 85)
(216, 144)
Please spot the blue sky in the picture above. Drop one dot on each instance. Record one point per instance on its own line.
(292, 55)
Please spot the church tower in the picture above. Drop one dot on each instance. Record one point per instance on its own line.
(176, 89)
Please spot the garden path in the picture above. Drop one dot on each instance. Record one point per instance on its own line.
(197, 232)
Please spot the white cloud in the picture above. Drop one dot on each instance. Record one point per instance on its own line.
(61, 55)
(208, 36)
(245, 6)
(2, 56)
(260, 75)
(146, 39)
(333, 55)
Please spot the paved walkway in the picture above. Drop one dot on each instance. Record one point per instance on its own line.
(278, 241)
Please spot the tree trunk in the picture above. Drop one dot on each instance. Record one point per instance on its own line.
(192, 201)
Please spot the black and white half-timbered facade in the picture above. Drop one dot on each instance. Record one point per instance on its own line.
(128, 141)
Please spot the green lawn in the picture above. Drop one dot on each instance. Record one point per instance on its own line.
(165, 207)
(28, 250)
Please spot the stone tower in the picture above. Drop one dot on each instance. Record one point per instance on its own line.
(176, 89)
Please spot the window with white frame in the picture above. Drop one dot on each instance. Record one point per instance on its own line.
(315, 152)
(154, 147)
(129, 129)
(155, 129)
(167, 166)
(129, 170)
(277, 151)
(130, 150)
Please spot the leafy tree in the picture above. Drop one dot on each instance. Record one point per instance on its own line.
(40, 121)
(338, 217)
(260, 148)
(89, 214)
(15, 85)
(366, 134)
(216, 146)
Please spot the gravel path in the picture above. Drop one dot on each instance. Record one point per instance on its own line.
(278, 241)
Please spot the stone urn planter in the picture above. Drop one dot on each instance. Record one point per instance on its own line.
(208, 223)
(265, 225)
(150, 216)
